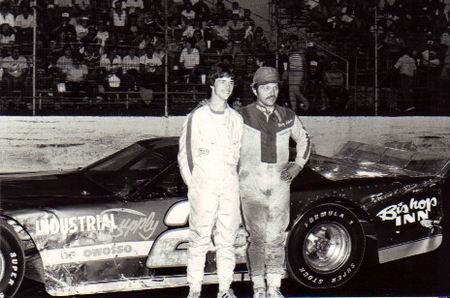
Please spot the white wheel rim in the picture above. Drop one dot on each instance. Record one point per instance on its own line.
(327, 247)
(2, 265)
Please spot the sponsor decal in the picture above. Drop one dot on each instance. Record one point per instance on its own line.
(69, 225)
(119, 222)
(203, 151)
(96, 252)
(287, 122)
(135, 223)
(406, 213)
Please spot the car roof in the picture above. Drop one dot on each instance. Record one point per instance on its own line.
(166, 146)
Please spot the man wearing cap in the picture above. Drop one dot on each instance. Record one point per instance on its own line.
(264, 176)
(209, 152)
(64, 27)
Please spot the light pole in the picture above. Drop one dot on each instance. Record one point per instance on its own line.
(33, 6)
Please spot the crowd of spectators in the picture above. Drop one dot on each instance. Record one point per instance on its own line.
(413, 39)
(121, 44)
(88, 47)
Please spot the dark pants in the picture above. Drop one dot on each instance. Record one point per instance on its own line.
(406, 99)
(13, 83)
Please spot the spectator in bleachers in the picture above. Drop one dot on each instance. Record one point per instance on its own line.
(334, 86)
(15, 69)
(90, 55)
(314, 86)
(200, 42)
(5, 15)
(152, 19)
(7, 36)
(219, 12)
(54, 51)
(90, 37)
(247, 16)
(75, 78)
(188, 13)
(407, 68)
(63, 5)
(149, 39)
(81, 6)
(175, 45)
(24, 24)
(110, 61)
(258, 42)
(133, 37)
(82, 28)
(132, 5)
(188, 29)
(65, 27)
(445, 39)
(130, 66)
(150, 62)
(445, 79)
(236, 29)
(202, 11)
(110, 71)
(119, 18)
(102, 33)
(221, 30)
(236, 11)
(160, 50)
(151, 74)
(189, 60)
(296, 74)
(66, 61)
(394, 44)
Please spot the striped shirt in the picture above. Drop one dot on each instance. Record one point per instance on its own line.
(296, 61)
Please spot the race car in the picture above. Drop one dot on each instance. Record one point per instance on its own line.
(121, 223)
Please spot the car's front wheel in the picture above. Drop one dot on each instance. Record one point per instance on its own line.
(12, 261)
(325, 247)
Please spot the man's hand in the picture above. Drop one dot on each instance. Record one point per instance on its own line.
(304, 105)
(290, 172)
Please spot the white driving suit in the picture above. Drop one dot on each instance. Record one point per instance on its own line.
(264, 196)
(208, 157)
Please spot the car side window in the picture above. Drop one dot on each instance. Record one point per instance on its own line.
(168, 185)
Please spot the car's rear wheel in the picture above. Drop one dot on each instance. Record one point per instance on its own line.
(325, 247)
(12, 261)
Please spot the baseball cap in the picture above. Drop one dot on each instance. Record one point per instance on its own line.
(265, 75)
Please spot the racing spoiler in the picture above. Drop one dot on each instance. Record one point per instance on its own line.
(398, 160)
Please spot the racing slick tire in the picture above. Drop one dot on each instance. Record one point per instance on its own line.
(325, 247)
(12, 261)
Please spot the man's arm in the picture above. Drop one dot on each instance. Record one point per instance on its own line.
(302, 139)
(185, 157)
(300, 136)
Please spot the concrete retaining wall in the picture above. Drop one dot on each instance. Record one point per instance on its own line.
(48, 143)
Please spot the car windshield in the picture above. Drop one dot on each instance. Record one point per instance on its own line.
(127, 169)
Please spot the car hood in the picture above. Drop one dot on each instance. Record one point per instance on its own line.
(35, 188)
(357, 160)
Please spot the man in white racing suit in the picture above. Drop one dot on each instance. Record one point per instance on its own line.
(265, 175)
(208, 156)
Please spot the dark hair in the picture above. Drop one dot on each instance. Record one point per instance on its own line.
(293, 37)
(219, 70)
(191, 41)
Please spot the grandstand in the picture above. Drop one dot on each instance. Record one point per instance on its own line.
(151, 57)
